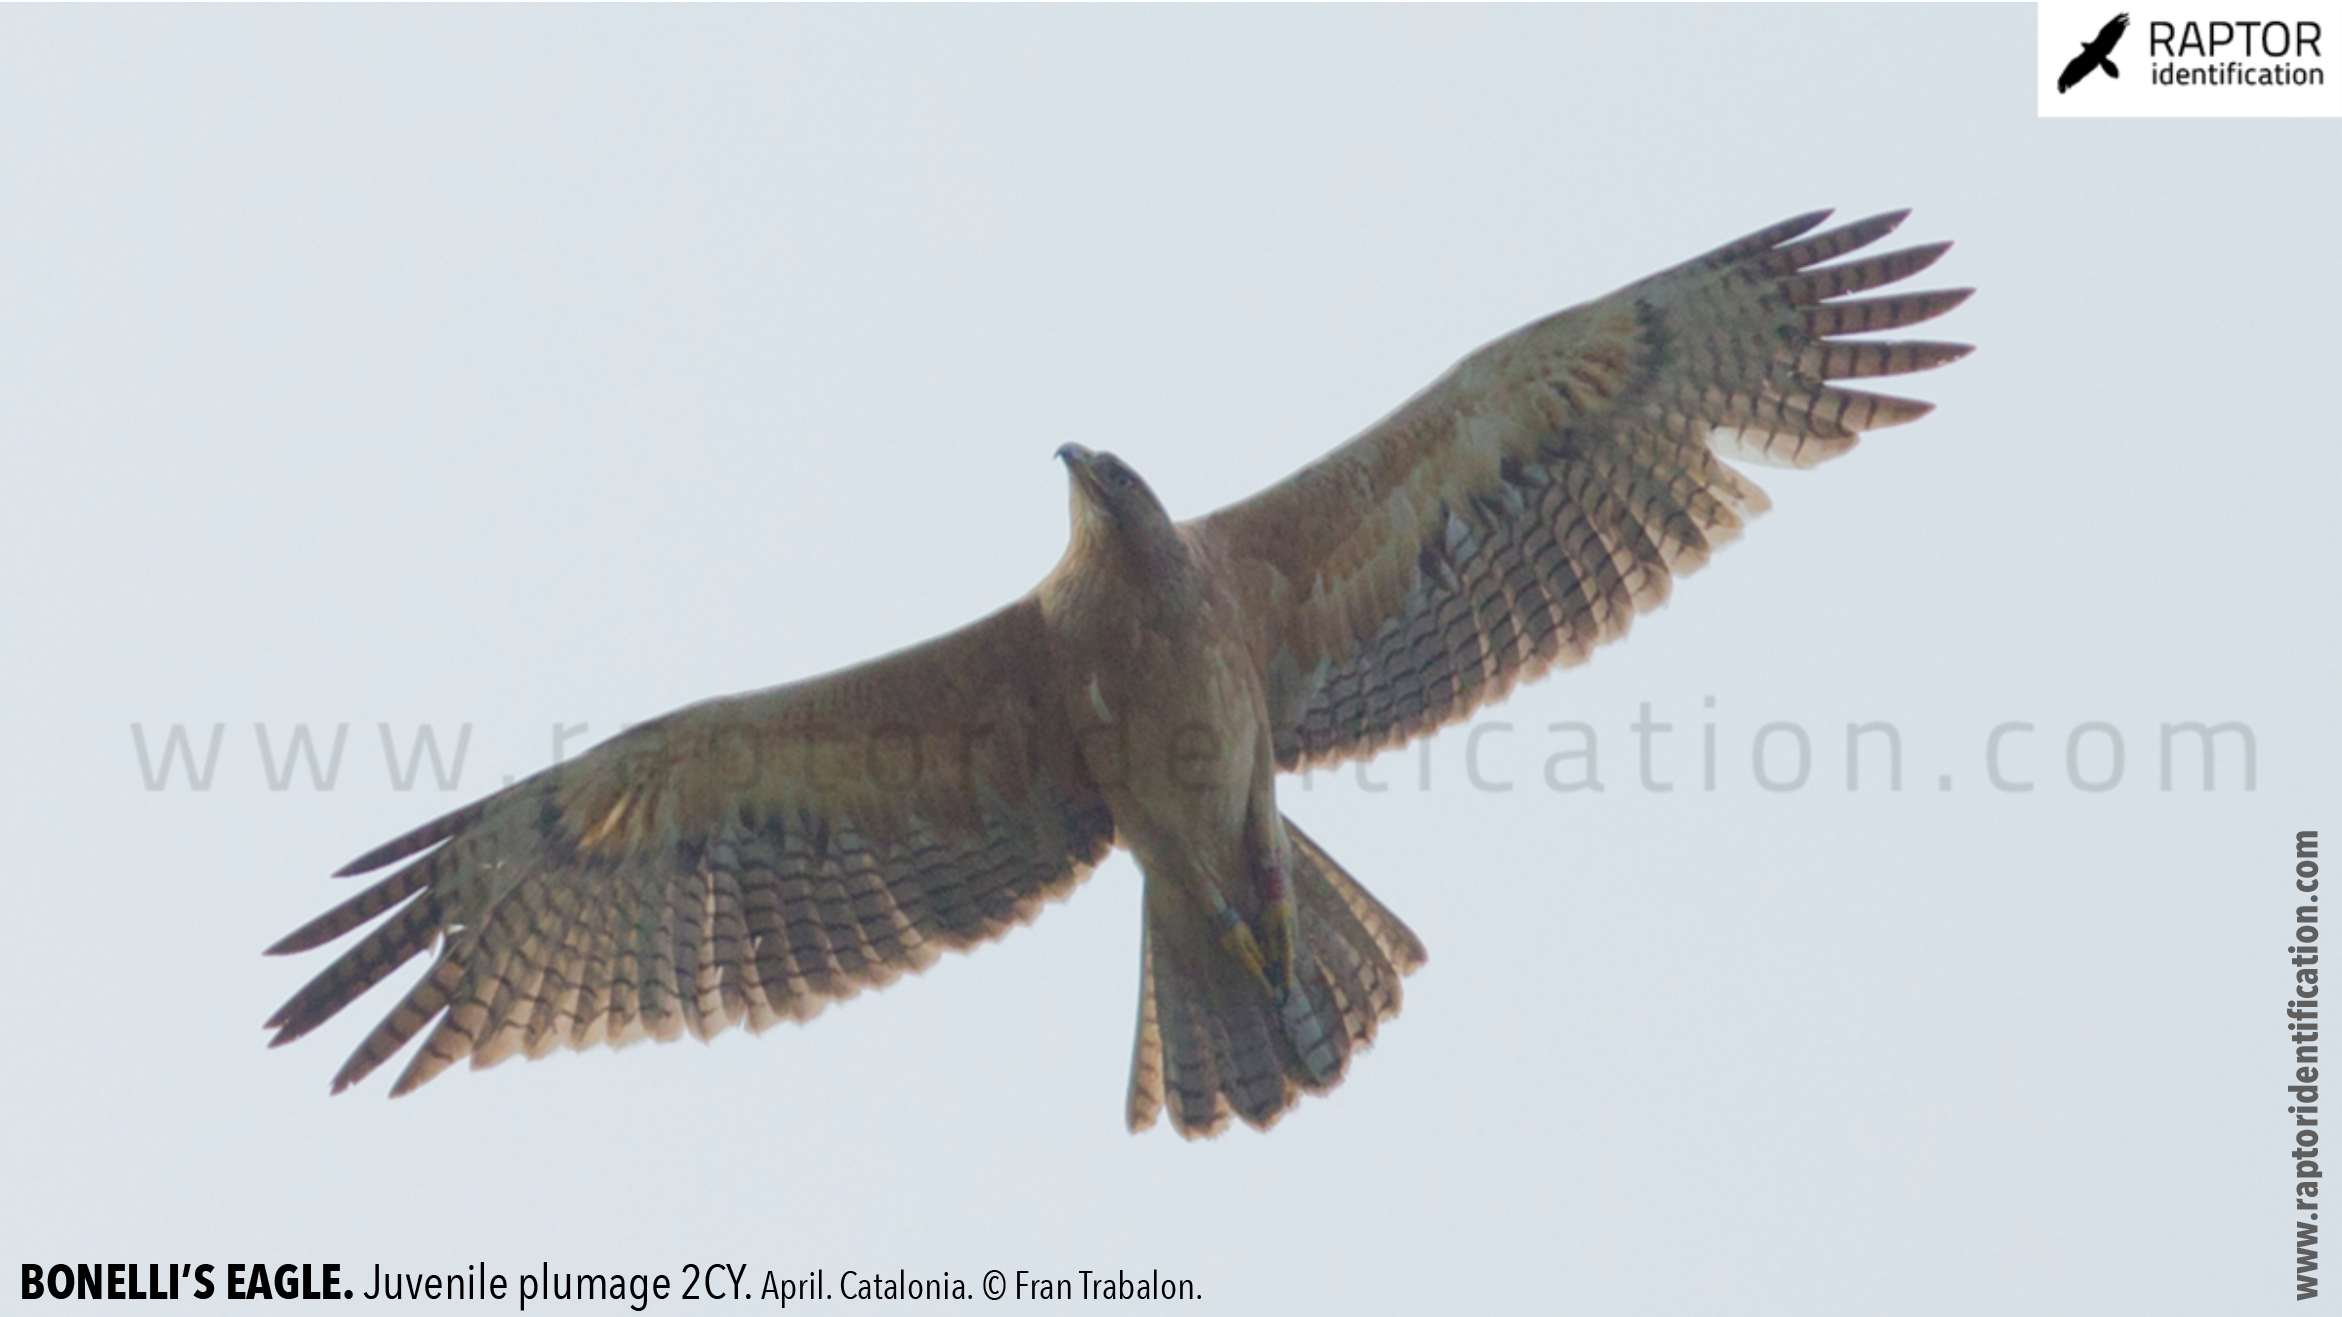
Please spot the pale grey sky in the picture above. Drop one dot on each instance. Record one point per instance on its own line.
(533, 366)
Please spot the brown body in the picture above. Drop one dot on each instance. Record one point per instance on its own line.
(749, 859)
(1170, 711)
(1169, 715)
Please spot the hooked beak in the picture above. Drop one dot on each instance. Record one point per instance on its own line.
(1077, 460)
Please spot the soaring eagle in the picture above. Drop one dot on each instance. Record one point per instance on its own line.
(752, 858)
(2094, 54)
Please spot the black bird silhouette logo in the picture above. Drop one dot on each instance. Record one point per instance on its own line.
(2094, 54)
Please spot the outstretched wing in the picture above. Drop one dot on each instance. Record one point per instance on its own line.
(742, 860)
(1527, 505)
(2079, 67)
(2109, 35)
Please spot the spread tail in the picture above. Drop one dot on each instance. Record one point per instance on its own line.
(1213, 1041)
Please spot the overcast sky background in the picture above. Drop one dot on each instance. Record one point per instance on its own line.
(536, 366)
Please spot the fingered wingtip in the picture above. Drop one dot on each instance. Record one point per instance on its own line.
(288, 1030)
(1795, 227)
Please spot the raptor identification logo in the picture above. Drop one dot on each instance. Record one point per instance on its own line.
(2189, 60)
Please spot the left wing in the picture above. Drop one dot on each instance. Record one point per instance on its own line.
(1522, 510)
(742, 860)
(2077, 69)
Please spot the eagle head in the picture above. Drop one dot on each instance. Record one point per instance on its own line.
(1108, 496)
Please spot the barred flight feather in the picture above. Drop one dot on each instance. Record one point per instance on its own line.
(1731, 353)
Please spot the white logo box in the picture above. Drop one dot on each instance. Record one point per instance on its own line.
(2202, 60)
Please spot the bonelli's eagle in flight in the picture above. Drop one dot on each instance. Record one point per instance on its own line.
(750, 859)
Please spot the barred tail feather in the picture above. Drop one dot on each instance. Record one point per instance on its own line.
(1213, 1043)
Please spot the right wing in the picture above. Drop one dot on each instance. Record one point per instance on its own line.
(741, 860)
